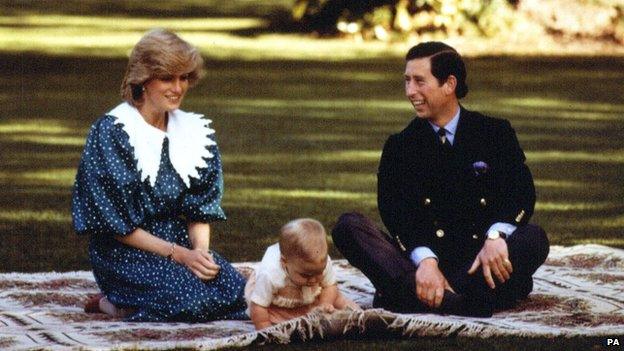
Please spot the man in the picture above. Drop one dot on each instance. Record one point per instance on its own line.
(456, 196)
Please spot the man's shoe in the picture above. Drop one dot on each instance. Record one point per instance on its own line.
(461, 305)
(378, 300)
(479, 306)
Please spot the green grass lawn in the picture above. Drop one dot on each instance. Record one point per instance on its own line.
(300, 124)
(303, 138)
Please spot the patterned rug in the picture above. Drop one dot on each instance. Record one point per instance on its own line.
(578, 292)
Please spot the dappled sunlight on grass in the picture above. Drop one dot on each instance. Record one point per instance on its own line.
(159, 8)
(522, 120)
(286, 158)
(614, 242)
(535, 111)
(561, 104)
(342, 178)
(350, 156)
(615, 221)
(58, 177)
(316, 194)
(316, 137)
(345, 181)
(235, 202)
(354, 76)
(107, 24)
(350, 74)
(271, 195)
(565, 184)
(44, 158)
(564, 74)
(558, 114)
(35, 216)
(45, 140)
(391, 124)
(253, 178)
(35, 126)
(291, 47)
(345, 104)
(615, 157)
(102, 37)
(574, 206)
(264, 242)
(299, 137)
(38, 190)
(590, 139)
(57, 41)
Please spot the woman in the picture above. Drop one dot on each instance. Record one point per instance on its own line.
(148, 184)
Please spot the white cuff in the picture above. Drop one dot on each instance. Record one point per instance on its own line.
(506, 228)
(420, 253)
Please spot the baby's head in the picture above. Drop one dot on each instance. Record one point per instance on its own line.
(303, 247)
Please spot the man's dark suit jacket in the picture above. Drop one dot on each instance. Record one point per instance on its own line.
(429, 197)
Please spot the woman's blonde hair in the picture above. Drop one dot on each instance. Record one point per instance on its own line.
(158, 54)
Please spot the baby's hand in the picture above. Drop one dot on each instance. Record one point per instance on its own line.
(350, 305)
(326, 307)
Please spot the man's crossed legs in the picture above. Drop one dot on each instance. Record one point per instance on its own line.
(392, 273)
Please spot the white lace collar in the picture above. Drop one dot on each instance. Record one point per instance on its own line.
(188, 141)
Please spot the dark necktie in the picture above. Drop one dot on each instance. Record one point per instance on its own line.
(446, 144)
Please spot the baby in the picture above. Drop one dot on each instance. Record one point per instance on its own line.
(295, 275)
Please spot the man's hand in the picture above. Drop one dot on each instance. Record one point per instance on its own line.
(430, 283)
(494, 258)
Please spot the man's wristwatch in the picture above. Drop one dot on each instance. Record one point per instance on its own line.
(496, 234)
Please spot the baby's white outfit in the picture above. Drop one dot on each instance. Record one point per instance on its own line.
(270, 283)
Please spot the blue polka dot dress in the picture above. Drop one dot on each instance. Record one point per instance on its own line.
(113, 196)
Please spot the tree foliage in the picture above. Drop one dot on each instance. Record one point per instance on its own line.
(387, 19)
(376, 17)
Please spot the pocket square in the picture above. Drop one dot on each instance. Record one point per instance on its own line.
(480, 168)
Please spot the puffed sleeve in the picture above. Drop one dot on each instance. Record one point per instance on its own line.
(329, 274)
(106, 196)
(264, 290)
(202, 201)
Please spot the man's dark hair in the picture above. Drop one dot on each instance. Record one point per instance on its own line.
(445, 61)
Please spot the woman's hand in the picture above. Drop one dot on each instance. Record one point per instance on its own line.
(200, 262)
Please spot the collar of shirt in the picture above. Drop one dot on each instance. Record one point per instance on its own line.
(189, 138)
(451, 127)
